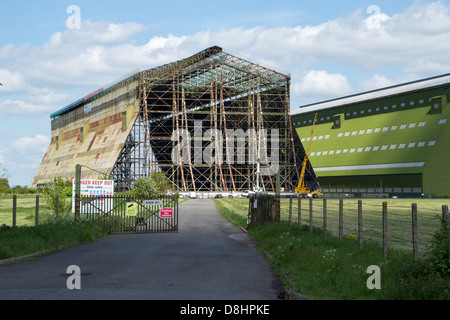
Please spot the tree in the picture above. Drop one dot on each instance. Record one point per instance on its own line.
(4, 183)
(54, 189)
(145, 188)
(152, 186)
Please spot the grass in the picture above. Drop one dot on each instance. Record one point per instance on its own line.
(328, 268)
(24, 240)
(399, 217)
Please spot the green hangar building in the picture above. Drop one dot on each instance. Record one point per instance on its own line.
(388, 142)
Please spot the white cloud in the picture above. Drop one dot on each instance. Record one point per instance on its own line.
(376, 82)
(319, 84)
(31, 146)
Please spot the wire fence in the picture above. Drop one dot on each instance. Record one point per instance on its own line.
(398, 224)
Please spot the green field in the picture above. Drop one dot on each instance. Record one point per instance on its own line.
(26, 210)
(399, 217)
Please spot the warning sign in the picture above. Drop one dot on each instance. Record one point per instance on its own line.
(131, 209)
(166, 213)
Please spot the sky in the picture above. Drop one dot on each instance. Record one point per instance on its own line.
(53, 52)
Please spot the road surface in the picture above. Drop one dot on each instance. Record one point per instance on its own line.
(207, 259)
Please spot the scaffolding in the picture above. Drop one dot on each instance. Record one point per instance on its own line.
(213, 122)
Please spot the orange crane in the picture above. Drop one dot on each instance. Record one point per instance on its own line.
(301, 190)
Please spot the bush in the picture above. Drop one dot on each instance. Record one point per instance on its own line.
(438, 259)
(52, 190)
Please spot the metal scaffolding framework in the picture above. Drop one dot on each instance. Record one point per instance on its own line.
(192, 114)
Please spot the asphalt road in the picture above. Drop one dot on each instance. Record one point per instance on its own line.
(207, 259)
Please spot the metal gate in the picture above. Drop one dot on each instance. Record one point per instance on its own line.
(126, 214)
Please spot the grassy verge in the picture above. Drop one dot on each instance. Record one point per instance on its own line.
(24, 240)
(329, 268)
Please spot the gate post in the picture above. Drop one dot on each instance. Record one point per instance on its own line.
(77, 191)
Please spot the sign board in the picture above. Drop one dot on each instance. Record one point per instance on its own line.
(166, 213)
(131, 209)
(93, 189)
(152, 202)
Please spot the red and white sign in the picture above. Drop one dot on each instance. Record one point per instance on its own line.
(166, 213)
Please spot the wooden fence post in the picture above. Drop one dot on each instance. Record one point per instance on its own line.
(310, 215)
(360, 226)
(36, 216)
(325, 217)
(385, 230)
(14, 210)
(299, 212)
(414, 232)
(341, 219)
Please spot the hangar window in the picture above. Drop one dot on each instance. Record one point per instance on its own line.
(377, 109)
(352, 150)
(362, 112)
(369, 111)
(402, 104)
(421, 144)
(442, 121)
(340, 134)
(303, 139)
(422, 124)
(362, 131)
(385, 129)
(386, 107)
(411, 103)
(312, 154)
(324, 153)
(403, 126)
(369, 131)
(394, 106)
(338, 151)
(384, 147)
(355, 113)
(360, 149)
(377, 130)
(347, 134)
(412, 125)
(368, 149)
(345, 151)
(327, 136)
(402, 146)
(354, 133)
(376, 148)
(393, 146)
(318, 153)
(431, 143)
(331, 152)
(421, 101)
(411, 145)
(314, 138)
(393, 128)
(320, 137)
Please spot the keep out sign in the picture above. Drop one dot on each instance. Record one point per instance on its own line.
(166, 213)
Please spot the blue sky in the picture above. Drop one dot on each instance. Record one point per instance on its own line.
(330, 48)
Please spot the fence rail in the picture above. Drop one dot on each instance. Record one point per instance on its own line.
(405, 227)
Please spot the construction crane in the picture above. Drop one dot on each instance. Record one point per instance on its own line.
(301, 190)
